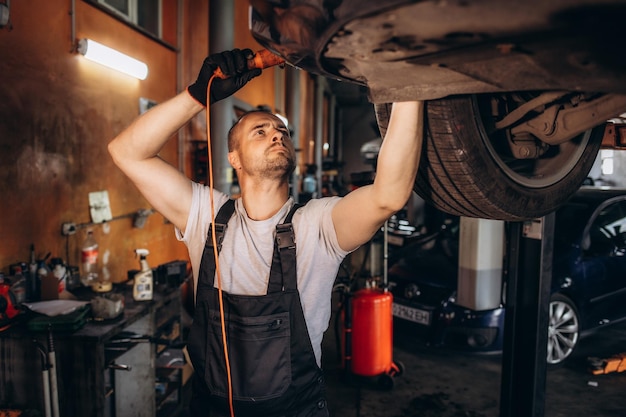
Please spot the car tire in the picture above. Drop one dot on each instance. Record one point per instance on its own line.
(466, 172)
(563, 329)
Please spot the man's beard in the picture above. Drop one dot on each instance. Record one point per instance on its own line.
(277, 165)
(278, 168)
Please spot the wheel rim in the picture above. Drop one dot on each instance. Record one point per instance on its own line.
(541, 172)
(563, 331)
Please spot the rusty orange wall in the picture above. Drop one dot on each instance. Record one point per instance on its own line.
(195, 41)
(57, 114)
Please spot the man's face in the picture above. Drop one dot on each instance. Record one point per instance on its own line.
(264, 146)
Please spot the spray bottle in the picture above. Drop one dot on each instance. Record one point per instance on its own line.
(143, 285)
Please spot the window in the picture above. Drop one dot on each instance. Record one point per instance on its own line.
(120, 6)
(144, 13)
(608, 230)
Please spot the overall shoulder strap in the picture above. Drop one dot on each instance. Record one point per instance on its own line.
(221, 222)
(283, 273)
(207, 266)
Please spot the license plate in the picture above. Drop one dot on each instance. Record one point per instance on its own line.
(412, 314)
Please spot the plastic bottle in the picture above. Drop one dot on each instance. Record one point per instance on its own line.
(60, 272)
(89, 257)
(18, 286)
(143, 285)
(43, 270)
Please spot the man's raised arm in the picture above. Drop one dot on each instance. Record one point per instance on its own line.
(135, 150)
(361, 213)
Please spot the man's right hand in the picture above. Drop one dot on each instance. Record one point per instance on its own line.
(234, 65)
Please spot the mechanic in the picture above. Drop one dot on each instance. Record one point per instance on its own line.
(274, 325)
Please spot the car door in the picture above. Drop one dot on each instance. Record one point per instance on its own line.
(604, 264)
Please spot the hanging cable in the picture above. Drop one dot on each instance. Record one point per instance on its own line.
(215, 251)
(261, 59)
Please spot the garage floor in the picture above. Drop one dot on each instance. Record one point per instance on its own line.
(439, 382)
(442, 383)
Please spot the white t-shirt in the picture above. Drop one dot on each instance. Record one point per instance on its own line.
(247, 249)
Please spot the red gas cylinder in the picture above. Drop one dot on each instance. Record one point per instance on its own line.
(372, 332)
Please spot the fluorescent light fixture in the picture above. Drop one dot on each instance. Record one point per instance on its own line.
(111, 58)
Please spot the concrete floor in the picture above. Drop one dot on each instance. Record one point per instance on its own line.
(439, 382)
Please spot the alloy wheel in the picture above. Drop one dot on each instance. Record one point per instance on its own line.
(563, 330)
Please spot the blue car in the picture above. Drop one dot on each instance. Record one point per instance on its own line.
(588, 281)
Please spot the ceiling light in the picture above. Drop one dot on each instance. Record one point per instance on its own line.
(111, 58)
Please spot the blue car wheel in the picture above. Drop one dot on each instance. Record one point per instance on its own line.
(563, 329)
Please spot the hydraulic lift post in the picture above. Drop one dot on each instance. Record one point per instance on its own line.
(523, 381)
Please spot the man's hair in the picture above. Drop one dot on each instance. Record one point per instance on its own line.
(233, 132)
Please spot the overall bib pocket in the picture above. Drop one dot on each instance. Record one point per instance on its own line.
(259, 352)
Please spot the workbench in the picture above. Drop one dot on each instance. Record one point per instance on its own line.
(99, 372)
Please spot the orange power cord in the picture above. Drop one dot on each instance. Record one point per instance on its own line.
(215, 253)
(261, 59)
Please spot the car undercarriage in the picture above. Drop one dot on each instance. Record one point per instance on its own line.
(518, 93)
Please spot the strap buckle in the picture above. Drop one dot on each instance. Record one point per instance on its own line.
(220, 230)
(285, 238)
